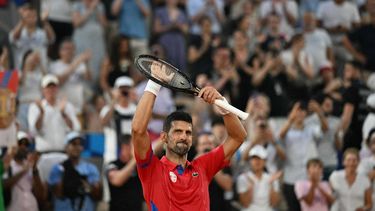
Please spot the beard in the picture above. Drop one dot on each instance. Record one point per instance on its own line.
(180, 148)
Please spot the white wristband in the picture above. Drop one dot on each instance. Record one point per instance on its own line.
(152, 87)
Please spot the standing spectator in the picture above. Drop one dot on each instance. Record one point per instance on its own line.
(338, 17)
(298, 141)
(171, 26)
(326, 144)
(222, 182)
(29, 85)
(23, 178)
(352, 190)
(318, 44)
(273, 39)
(124, 184)
(287, 10)
(359, 41)
(117, 117)
(116, 64)
(72, 72)
(51, 118)
(26, 35)
(313, 193)
(368, 124)
(366, 166)
(257, 189)
(75, 183)
(214, 9)
(89, 22)
(133, 16)
(60, 18)
(200, 49)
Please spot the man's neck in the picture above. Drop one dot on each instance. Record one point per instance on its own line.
(179, 160)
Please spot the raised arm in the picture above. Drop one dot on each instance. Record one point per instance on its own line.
(142, 116)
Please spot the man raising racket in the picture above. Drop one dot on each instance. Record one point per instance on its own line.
(174, 183)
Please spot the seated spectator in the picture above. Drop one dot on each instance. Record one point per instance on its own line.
(366, 166)
(29, 85)
(170, 26)
(313, 193)
(22, 178)
(257, 189)
(352, 190)
(26, 35)
(124, 185)
(117, 116)
(51, 118)
(116, 64)
(73, 73)
(297, 138)
(326, 145)
(75, 183)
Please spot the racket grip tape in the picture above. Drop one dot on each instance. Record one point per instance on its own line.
(225, 105)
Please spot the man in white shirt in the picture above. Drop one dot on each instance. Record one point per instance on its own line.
(117, 117)
(338, 17)
(318, 44)
(368, 125)
(72, 72)
(286, 9)
(211, 8)
(51, 118)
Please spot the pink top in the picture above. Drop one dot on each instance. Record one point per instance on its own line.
(320, 203)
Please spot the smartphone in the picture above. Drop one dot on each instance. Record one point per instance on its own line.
(3, 151)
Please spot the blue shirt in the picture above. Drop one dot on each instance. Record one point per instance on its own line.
(84, 168)
(132, 21)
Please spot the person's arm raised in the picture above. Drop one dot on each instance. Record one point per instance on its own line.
(142, 116)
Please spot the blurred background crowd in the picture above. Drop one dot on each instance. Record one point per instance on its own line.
(303, 69)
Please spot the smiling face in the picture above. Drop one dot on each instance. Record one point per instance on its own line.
(179, 138)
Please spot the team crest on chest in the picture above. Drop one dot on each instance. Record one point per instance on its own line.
(173, 177)
(194, 174)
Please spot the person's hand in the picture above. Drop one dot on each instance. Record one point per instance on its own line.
(361, 58)
(371, 174)
(39, 105)
(276, 176)
(93, 4)
(44, 16)
(115, 93)
(62, 104)
(32, 159)
(209, 94)
(314, 106)
(293, 114)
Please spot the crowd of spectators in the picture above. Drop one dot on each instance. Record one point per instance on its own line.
(303, 69)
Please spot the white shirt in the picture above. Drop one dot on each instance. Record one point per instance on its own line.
(74, 86)
(316, 44)
(299, 148)
(349, 198)
(60, 10)
(193, 7)
(164, 105)
(128, 111)
(37, 41)
(326, 143)
(332, 15)
(291, 6)
(261, 190)
(30, 90)
(368, 124)
(22, 197)
(54, 129)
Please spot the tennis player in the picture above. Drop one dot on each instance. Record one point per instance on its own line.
(174, 183)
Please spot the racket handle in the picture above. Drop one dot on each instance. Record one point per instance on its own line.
(225, 105)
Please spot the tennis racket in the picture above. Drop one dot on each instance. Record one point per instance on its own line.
(169, 76)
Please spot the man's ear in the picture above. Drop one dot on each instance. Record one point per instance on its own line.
(164, 137)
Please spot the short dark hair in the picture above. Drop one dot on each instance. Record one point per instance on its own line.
(217, 121)
(125, 139)
(176, 116)
(371, 132)
(314, 161)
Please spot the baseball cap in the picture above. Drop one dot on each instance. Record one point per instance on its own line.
(371, 101)
(49, 79)
(72, 136)
(124, 81)
(258, 151)
(22, 135)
